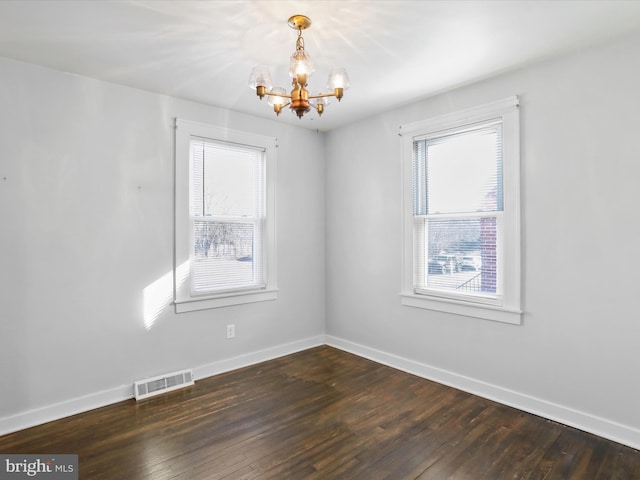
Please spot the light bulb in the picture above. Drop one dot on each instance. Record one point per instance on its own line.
(300, 64)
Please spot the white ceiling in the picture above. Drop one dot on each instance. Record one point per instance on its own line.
(394, 51)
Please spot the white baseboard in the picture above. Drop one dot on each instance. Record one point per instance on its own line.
(568, 416)
(92, 401)
(252, 358)
(38, 416)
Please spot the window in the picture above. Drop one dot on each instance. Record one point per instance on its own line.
(225, 241)
(461, 213)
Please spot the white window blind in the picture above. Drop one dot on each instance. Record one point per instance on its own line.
(458, 200)
(227, 198)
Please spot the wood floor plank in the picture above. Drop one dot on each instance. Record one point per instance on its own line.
(323, 414)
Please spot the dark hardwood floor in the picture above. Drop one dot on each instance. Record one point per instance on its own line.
(323, 414)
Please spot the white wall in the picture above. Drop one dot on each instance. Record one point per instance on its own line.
(576, 356)
(86, 209)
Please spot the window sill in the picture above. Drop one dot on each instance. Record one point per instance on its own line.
(486, 312)
(194, 304)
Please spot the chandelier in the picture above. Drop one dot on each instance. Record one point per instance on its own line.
(300, 67)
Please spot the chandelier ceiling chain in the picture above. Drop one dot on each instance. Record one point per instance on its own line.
(300, 68)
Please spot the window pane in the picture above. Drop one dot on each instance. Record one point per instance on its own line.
(227, 215)
(224, 256)
(226, 180)
(461, 255)
(464, 172)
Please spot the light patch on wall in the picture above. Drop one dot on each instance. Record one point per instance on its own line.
(159, 294)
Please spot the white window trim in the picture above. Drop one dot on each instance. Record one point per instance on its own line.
(509, 311)
(183, 299)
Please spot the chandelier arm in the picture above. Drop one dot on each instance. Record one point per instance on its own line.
(322, 95)
(283, 95)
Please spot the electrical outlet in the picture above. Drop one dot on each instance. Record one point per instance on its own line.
(231, 331)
